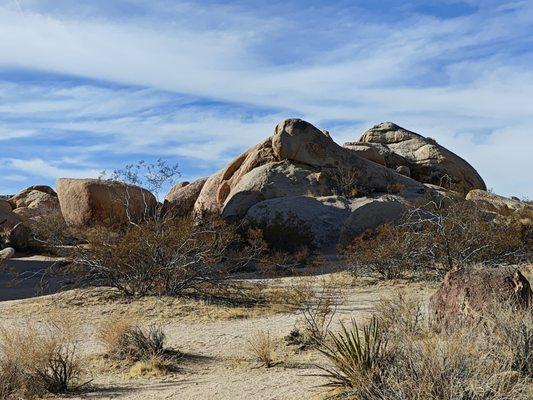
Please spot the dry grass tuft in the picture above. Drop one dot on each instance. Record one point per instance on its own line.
(262, 347)
(36, 360)
(143, 349)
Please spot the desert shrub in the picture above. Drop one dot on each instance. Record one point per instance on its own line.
(348, 182)
(51, 233)
(491, 360)
(317, 315)
(39, 360)
(438, 237)
(262, 348)
(386, 251)
(164, 257)
(124, 340)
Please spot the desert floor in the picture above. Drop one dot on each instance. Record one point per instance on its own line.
(217, 362)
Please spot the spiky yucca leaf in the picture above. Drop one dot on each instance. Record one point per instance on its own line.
(354, 355)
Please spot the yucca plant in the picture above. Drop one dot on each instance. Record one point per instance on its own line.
(355, 354)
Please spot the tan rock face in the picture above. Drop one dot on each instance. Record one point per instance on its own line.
(428, 161)
(8, 219)
(496, 202)
(466, 293)
(181, 198)
(88, 202)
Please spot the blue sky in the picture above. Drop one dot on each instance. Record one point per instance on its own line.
(93, 85)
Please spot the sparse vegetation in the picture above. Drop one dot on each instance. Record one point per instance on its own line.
(262, 347)
(36, 360)
(144, 349)
(438, 237)
(317, 315)
(419, 361)
(355, 354)
(168, 257)
(348, 183)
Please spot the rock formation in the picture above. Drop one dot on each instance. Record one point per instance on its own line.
(181, 198)
(393, 146)
(467, 293)
(301, 174)
(88, 202)
(35, 202)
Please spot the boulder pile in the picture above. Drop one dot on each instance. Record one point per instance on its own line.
(297, 176)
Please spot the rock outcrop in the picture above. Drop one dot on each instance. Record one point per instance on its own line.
(181, 198)
(35, 202)
(300, 173)
(13, 232)
(330, 220)
(467, 293)
(497, 203)
(393, 146)
(89, 202)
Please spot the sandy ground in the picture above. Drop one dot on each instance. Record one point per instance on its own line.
(217, 362)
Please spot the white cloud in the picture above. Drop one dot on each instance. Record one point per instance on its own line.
(40, 168)
(457, 80)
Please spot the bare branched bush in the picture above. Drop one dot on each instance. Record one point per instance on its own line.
(166, 257)
(491, 360)
(35, 360)
(317, 315)
(439, 237)
(348, 183)
(262, 347)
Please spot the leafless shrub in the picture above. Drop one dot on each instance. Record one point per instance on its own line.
(39, 360)
(438, 237)
(166, 257)
(262, 348)
(348, 183)
(317, 315)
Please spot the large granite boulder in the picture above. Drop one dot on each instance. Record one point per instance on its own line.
(497, 203)
(89, 202)
(329, 221)
(5, 206)
(393, 146)
(13, 232)
(468, 293)
(181, 198)
(8, 219)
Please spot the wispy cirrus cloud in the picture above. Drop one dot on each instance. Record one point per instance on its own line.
(200, 81)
